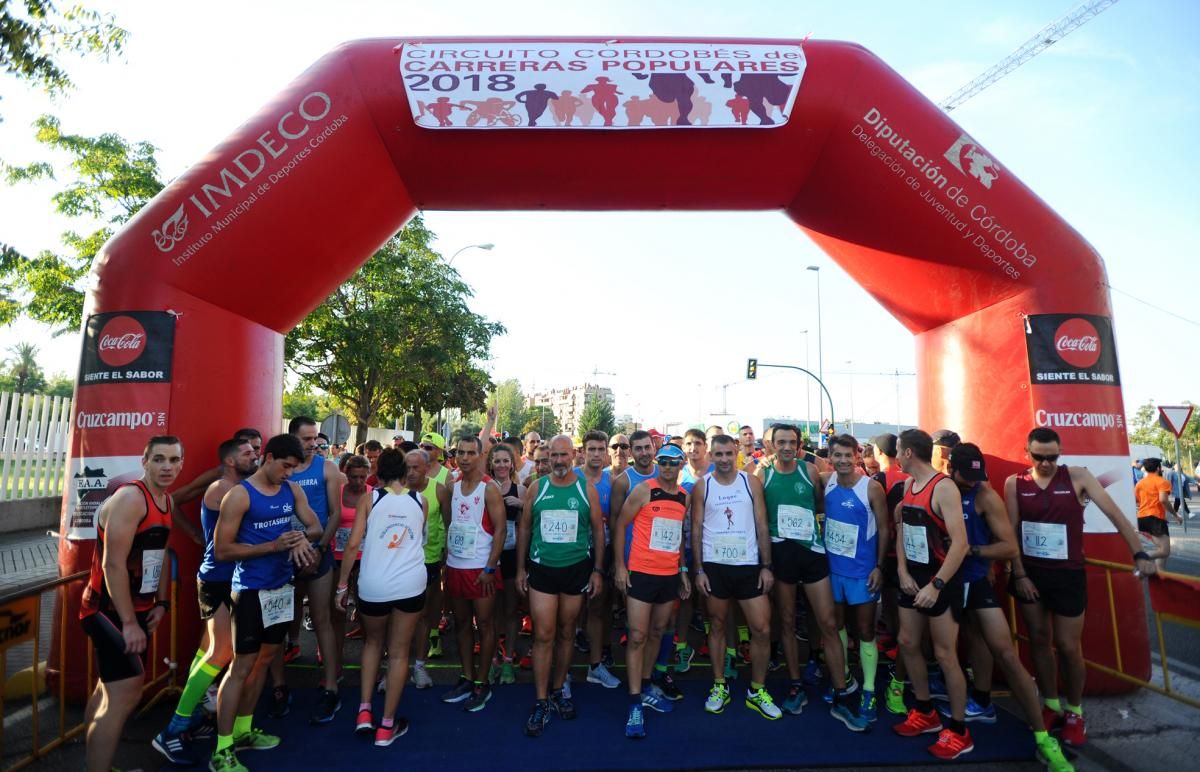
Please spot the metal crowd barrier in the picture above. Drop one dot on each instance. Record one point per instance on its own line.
(27, 605)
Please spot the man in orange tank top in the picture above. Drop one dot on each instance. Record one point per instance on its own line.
(126, 598)
(1046, 504)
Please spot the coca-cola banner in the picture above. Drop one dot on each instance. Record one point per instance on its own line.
(123, 399)
(1071, 348)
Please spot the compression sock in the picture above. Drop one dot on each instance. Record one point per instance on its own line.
(664, 655)
(845, 639)
(743, 633)
(868, 655)
(1040, 737)
(196, 660)
(1054, 704)
(242, 725)
(193, 692)
(1076, 709)
(224, 741)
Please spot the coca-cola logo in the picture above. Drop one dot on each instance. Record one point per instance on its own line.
(1078, 343)
(121, 341)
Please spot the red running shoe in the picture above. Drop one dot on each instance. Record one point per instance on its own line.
(291, 652)
(526, 663)
(918, 723)
(364, 723)
(443, 623)
(951, 745)
(385, 736)
(1074, 733)
(526, 625)
(1051, 719)
(354, 634)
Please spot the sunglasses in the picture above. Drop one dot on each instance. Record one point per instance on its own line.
(428, 447)
(1049, 457)
(323, 447)
(669, 462)
(620, 446)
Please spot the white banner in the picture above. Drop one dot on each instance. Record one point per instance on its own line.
(600, 85)
(92, 481)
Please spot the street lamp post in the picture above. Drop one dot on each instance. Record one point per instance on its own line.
(807, 388)
(820, 350)
(850, 364)
(487, 247)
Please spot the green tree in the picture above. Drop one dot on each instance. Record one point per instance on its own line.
(597, 415)
(511, 415)
(35, 37)
(23, 374)
(397, 336)
(542, 420)
(111, 180)
(304, 401)
(61, 385)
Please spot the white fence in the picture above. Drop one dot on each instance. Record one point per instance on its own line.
(33, 446)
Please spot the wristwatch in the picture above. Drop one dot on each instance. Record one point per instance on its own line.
(489, 570)
(938, 584)
(166, 604)
(1140, 555)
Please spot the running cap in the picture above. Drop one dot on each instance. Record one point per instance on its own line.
(655, 433)
(967, 459)
(886, 444)
(669, 451)
(946, 438)
(434, 439)
(397, 436)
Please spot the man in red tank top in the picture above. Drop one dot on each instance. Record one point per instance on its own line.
(126, 597)
(1045, 504)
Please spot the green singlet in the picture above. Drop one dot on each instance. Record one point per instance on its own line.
(791, 507)
(562, 524)
(435, 527)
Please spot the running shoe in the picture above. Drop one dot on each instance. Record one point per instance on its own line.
(867, 708)
(526, 625)
(718, 698)
(566, 687)
(600, 675)
(478, 699)
(853, 721)
(538, 718)
(974, 711)
(386, 735)
(635, 725)
(210, 698)
(918, 723)
(308, 623)
(812, 673)
(421, 677)
(702, 652)
(950, 745)
(1051, 719)
(606, 657)
(653, 698)
(461, 691)
(796, 700)
(202, 725)
(435, 646)
(624, 640)
(894, 698)
(683, 659)
(743, 651)
(697, 622)
(582, 644)
(381, 684)
(669, 688)
(443, 624)
(281, 702)
(1074, 732)
(225, 760)
(507, 674)
(365, 723)
(355, 634)
(851, 688)
(256, 740)
(560, 702)
(327, 707)
(761, 702)
(730, 668)
(175, 747)
(291, 652)
(526, 663)
(1049, 752)
(937, 687)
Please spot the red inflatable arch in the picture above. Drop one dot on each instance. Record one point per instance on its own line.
(192, 298)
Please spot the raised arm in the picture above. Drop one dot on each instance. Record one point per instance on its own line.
(1086, 483)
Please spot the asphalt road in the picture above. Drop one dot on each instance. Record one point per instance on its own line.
(1183, 644)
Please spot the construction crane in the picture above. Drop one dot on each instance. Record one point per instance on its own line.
(1046, 37)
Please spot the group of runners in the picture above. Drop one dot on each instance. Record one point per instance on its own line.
(903, 535)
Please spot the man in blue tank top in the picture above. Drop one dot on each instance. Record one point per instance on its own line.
(238, 460)
(988, 638)
(254, 530)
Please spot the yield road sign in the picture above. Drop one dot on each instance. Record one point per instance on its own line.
(1174, 418)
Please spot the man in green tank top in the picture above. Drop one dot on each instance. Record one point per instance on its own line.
(558, 532)
(794, 498)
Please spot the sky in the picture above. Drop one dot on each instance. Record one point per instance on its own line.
(1101, 126)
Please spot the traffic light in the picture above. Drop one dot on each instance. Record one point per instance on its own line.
(751, 368)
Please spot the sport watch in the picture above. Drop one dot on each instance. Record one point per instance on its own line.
(938, 584)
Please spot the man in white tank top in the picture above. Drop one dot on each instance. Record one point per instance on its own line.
(729, 522)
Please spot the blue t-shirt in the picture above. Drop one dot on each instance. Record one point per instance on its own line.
(851, 538)
(211, 569)
(268, 518)
(312, 482)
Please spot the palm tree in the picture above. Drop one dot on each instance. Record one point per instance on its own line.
(24, 368)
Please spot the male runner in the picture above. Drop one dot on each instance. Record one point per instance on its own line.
(618, 453)
(438, 497)
(125, 600)
(798, 557)
(857, 528)
(988, 638)
(255, 531)
(655, 577)
(371, 450)
(526, 468)
(322, 484)
(930, 548)
(474, 541)
(559, 557)
(599, 608)
(1045, 504)
(239, 461)
(729, 521)
(748, 455)
(944, 441)
(1153, 496)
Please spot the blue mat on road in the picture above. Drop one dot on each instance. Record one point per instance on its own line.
(441, 735)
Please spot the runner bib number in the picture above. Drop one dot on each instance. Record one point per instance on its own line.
(510, 534)
(730, 547)
(796, 522)
(916, 544)
(340, 538)
(666, 534)
(560, 526)
(1044, 540)
(276, 605)
(842, 538)
(152, 564)
(460, 540)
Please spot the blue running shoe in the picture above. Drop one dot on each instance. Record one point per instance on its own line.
(654, 699)
(974, 711)
(635, 726)
(812, 673)
(868, 708)
(176, 748)
(853, 721)
(796, 700)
